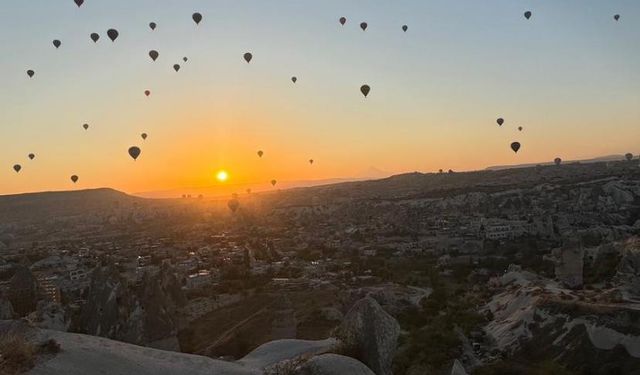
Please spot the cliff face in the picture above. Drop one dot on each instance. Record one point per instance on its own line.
(141, 314)
(584, 330)
(373, 330)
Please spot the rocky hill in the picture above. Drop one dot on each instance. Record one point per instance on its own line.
(78, 354)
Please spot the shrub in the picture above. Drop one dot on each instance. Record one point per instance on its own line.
(17, 355)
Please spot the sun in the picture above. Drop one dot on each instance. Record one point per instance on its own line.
(222, 175)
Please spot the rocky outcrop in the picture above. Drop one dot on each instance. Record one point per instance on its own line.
(23, 291)
(333, 364)
(89, 355)
(628, 271)
(458, 369)
(6, 310)
(569, 264)
(372, 335)
(620, 193)
(143, 314)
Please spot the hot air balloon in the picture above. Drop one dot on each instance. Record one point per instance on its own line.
(500, 121)
(32, 156)
(17, 168)
(113, 34)
(628, 156)
(405, 28)
(260, 153)
(294, 79)
(363, 26)
(134, 152)
(185, 59)
(527, 14)
(144, 136)
(153, 54)
(95, 37)
(616, 17)
(233, 204)
(310, 161)
(343, 20)
(364, 89)
(197, 17)
(57, 43)
(30, 73)
(520, 128)
(248, 191)
(78, 2)
(147, 92)
(74, 178)
(557, 161)
(273, 182)
(85, 126)
(152, 25)
(247, 57)
(176, 67)
(515, 146)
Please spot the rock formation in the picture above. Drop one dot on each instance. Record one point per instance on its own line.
(372, 334)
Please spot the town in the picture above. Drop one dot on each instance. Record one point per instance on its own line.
(481, 270)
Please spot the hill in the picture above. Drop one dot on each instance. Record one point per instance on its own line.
(43, 206)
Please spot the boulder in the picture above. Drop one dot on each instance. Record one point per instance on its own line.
(458, 369)
(333, 364)
(371, 334)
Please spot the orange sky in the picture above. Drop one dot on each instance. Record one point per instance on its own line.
(569, 77)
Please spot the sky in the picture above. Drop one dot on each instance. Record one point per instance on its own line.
(569, 76)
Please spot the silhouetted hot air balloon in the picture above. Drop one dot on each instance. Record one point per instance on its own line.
(85, 126)
(147, 92)
(616, 17)
(440, 171)
(527, 14)
(247, 57)
(363, 26)
(144, 136)
(154, 54)
(628, 156)
(520, 128)
(273, 182)
(152, 25)
(405, 28)
(310, 161)
(260, 153)
(185, 59)
(32, 156)
(134, 152)
(113, 34)
(500, 121)
(57, 43)
(233, 204)
(364, 89)
(294, 79)
(343, 20)
(74, 178)
(557, 161)
(17, 168)
(95, 37)
(515, 146)
(197, 17)
(30, 73)
(176, 67)
(78, 2)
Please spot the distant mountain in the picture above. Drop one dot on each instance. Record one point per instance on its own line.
(226, 190)
(586, 161)
(57, 204)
